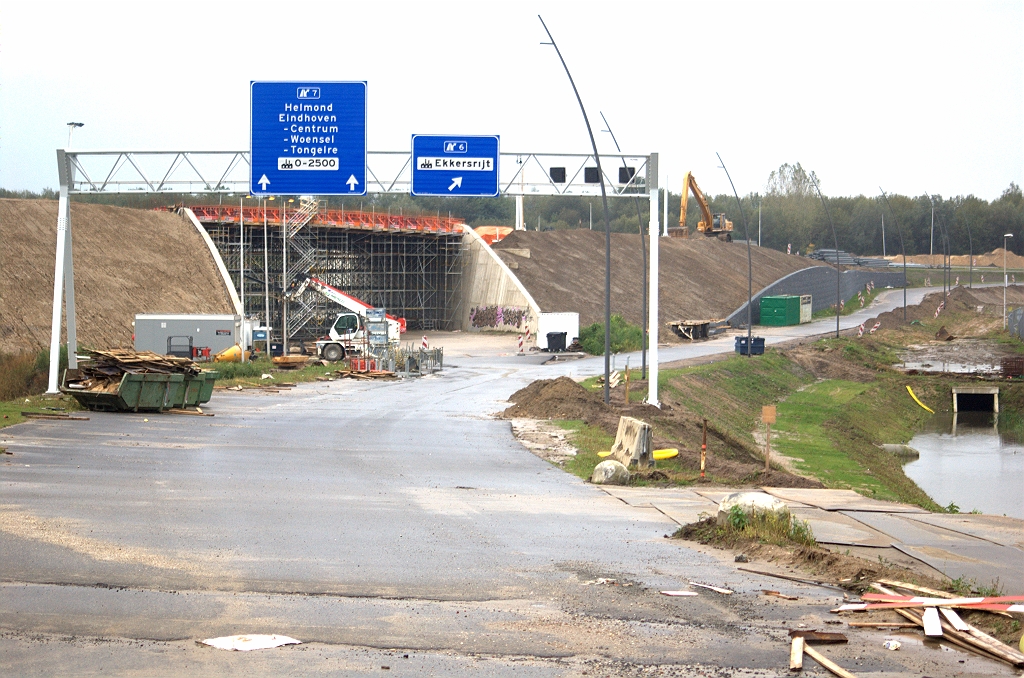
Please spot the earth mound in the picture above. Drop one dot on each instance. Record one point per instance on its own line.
(560, 398)
(127, 261)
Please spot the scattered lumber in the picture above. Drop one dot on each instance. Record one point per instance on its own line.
(102, 371)
(778, 595)
(52, 415)
(827, 663)
(971, 638)
(716, 589)
(796, 654)
(823, 637)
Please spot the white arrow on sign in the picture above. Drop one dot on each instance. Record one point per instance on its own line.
(456, 182)
(352, 181)
(263, 182)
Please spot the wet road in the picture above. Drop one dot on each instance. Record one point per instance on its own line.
(362, 517)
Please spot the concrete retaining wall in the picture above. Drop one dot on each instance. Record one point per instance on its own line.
(493, 298)
(820, 283)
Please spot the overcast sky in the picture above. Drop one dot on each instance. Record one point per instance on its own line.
(912, 96)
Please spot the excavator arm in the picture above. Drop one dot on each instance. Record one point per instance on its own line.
(690, 184)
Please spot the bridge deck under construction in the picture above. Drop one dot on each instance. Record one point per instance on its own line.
(409, 265)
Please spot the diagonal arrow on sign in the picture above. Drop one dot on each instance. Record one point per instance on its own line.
(456, 183)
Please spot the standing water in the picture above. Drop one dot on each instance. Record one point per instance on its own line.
(966, 461)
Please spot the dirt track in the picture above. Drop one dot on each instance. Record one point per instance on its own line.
(701, 278)
(127, 261)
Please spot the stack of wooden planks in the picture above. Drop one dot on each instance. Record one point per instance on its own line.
(102, 370)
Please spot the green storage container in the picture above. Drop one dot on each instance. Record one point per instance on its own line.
(780, 311)
(149, 392)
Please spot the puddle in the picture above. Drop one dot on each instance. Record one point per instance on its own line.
(953, 368)
(966, 460)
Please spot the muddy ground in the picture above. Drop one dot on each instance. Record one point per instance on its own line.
(993, 259)
(701, 278)
(118, 253)
(563, 398)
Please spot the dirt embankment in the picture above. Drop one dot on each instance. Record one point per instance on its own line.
(730, 459)
(127, 261)
(993, 259)
(960, 300)
(699, 277)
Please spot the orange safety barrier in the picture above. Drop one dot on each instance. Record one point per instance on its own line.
(369, 221)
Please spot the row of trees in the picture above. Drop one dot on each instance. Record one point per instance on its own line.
(791, 214)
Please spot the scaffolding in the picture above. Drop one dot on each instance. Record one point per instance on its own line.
(411, 266)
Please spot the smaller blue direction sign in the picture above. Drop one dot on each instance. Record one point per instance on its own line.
(308, 138)
(455, 165)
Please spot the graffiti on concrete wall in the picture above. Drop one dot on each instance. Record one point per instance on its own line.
(497, 316)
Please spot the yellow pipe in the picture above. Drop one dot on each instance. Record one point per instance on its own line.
(917, 400)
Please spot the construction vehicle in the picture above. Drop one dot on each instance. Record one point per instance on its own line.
(348, 334)
(712, 225)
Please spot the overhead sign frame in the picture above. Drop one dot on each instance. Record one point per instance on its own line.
(307, 138)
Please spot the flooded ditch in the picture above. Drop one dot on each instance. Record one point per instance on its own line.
(966, 460)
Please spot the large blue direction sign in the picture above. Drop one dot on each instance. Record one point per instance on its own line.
(308, 138)
(455, 165)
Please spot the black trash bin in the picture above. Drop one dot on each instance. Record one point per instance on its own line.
(757, 344)
(556, 341)
(276, 349)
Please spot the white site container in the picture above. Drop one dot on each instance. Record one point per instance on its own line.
(805, 308)
(557, 322)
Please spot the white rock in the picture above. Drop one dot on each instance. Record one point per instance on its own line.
(750, 502)
(610, 473)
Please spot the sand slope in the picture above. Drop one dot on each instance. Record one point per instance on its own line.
(700, 277)
(127, 261)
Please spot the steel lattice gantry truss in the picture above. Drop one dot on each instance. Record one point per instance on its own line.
(381, 265)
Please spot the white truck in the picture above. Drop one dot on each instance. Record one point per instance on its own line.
(348, 333)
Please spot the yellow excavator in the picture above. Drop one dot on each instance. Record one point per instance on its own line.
(714, 225)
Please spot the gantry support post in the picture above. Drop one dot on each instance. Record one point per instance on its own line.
(63, 278)
(653, 232)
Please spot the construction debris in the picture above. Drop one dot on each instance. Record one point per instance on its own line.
(678, 593)
(716, 589)
(778, 595)
(102, 371)
(925, 613)
(52, 415)
(826, 662)
(823, 637)
(366, 376)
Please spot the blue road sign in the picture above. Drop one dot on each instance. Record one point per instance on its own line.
(308, 138)
(455, 165)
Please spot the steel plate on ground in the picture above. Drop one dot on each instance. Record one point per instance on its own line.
(838, 500)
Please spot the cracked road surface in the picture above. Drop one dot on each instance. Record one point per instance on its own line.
(371, 521)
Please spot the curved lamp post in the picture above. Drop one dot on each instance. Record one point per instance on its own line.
(607, 223)
(835, 240)
(903, 250)
(750, 266)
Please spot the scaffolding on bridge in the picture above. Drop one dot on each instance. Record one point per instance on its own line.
(410, 265)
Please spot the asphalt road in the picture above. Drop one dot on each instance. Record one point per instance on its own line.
(371, 521)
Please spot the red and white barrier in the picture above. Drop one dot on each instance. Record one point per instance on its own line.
(423, 344)
(860, 330)
(520, 344)
(872, 330)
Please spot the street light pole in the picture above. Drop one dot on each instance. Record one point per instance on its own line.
(750, 265)
(71, 130)
(607, 224)
(835, 240)
(1005, 236)
(643, 262)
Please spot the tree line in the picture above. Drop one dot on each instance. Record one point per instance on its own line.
(790, 214)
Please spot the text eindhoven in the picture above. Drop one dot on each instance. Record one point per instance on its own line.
(300, 113)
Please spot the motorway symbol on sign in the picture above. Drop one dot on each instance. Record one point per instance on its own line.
(308, 138)
(455, 165)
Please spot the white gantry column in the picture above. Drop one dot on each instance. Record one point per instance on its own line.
(63, 277)
(652, 314)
